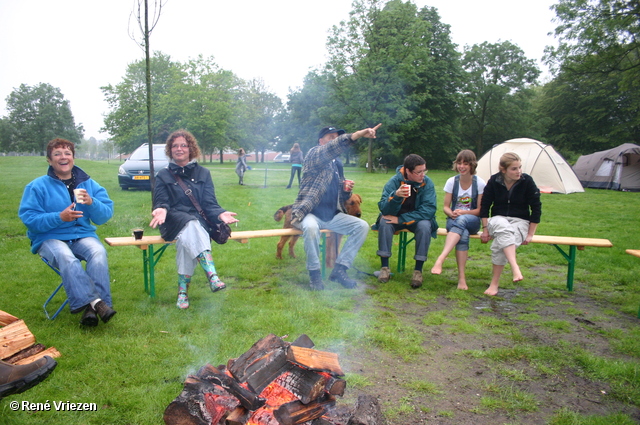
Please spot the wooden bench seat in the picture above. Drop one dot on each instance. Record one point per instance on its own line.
(151, 256)
(573, 243)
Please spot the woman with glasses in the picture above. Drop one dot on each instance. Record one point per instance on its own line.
(462, 196)
(408, 202)
(178, 217)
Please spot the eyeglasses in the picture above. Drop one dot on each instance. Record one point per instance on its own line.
(421, 172)
(179, 146)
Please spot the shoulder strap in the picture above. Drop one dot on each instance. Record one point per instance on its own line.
(454, 194)
(193, 199)
(474, 192)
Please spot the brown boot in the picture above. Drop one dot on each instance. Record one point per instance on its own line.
(15, 379)
(104, 311)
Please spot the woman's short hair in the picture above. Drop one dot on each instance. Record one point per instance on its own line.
(194, 149)
(466, 156)
(507, 159)
(60, 143)
(241, 152)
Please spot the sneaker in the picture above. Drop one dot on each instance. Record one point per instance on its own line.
(315, 280)
(89, 317)
(339, 274)
(104, 311)
(183, 300)
(15, 379)
(384, 275)
(416, 279)
(216, 284)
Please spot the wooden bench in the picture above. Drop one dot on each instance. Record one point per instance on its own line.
(574, 244)
(151, 256)
(635, 253)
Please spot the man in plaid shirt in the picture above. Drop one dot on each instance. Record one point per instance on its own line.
(320, 205)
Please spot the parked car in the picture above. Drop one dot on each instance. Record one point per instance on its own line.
(135, 171)
(282, 157)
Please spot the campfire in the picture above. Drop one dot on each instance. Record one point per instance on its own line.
(274, 383)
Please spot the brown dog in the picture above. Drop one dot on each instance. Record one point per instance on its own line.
(333, 241)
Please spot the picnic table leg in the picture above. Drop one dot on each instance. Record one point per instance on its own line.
(402, 251)
(145, 270)
(571, 259)
(323, 250)
(152, 277)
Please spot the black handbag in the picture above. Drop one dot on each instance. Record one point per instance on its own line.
(219, 232)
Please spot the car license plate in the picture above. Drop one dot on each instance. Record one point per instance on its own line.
(141, 177)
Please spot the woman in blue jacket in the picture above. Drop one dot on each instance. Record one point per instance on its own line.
(59, 225)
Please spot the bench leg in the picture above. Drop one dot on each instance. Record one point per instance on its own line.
(323, 259)
(571, 260)
(403, 242)
(149, 261)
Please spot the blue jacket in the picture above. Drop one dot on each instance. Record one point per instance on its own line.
(425, 208)
(44, 199)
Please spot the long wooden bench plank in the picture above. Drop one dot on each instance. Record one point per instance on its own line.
(150, 257)
(555, 240)
(634, 252)
(241, 236)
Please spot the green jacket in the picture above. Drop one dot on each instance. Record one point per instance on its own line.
(425, 209)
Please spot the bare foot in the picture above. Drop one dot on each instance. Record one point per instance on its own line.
(463, 286)
(517, 277)
(492, 290)
(437, 268)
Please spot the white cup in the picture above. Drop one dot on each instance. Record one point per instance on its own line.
(406, 189)
(78, 194)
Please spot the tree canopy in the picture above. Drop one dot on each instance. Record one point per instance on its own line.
(38, 114)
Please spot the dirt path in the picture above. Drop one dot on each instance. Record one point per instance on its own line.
(471, 388)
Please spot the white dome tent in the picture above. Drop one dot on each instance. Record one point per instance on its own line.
(548, 168)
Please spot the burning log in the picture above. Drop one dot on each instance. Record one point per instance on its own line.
(314, 359)
(296, 412)
(247, 398)
(273, 383)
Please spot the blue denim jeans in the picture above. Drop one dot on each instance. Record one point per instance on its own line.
(464, 225)
(82, 286)
(356, 230)
(421, 231)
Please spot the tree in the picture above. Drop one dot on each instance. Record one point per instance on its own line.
(126, 120)
(384, 61)
(37, 115)
(146, 34)
(205, 102)
(497, 76)
(259, 111)
(599, 46)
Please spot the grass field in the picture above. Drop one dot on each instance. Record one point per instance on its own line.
(133, 367)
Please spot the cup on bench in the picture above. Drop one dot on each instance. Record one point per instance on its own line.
(137, 234)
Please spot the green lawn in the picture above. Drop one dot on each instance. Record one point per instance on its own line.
(134, 366)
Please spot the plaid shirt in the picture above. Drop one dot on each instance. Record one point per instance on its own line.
(317, 175)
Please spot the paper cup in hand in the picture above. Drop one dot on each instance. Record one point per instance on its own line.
(406, 189)
(77, 193)
(348, 185)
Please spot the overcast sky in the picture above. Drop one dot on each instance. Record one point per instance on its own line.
(80, 45)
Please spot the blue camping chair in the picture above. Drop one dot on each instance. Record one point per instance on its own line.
(53, 294)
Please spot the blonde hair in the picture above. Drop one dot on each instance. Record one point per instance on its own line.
(507, 159)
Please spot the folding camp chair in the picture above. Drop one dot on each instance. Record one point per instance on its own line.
(53, 294)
